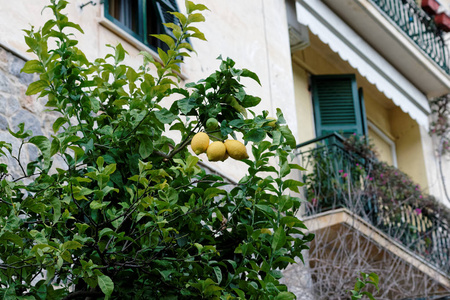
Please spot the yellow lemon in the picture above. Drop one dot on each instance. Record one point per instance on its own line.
(200, 143)
(236, 149)
(225, 156)
(216, 151)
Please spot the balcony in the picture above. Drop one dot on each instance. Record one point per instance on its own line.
(419, 27)
(344, 173)
(390, 37)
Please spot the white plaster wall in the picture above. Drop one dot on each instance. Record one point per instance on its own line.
(253, 33)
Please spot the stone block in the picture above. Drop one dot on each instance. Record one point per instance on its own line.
(3, 123)
(8, 104)
(15, 65)
(12, 105)
(33, 152)
(5, 83)
(31, 122)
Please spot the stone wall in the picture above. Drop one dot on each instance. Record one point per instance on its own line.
(16, 107)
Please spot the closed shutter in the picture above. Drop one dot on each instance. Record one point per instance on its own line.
(163, 9)
(338, 107)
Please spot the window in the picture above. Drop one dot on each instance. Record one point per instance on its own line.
(140, 18)
(338, 105)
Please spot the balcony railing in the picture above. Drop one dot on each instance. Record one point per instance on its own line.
(419, 27)
(338, 177)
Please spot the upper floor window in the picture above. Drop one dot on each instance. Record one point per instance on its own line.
(338, 105)
(141, 18)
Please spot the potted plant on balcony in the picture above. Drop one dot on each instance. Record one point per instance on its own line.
(442, 21)
(430, 6)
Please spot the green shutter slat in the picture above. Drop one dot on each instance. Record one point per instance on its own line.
(336, 104)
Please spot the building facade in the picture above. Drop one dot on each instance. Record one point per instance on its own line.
(365, 67)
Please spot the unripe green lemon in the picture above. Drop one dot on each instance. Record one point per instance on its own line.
(212, 124)
(200, 143)
(273, 123)
(216, 151)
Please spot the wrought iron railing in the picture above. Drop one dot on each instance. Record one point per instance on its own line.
(338, 177)
(420, 27)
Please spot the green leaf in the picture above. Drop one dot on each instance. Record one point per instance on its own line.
(287, 134)
(179, 16)
(32, 66)
(55, 146)
(250, 101)
(167, 39)
(218, 273)
(106, 285)
(98, 205)
(145, 147)
(36, 87)
(297, 167)
(279, 238)
(120, 54)
(12, 237)
(285, 296)
(47, 26)
(255, 135)
(109, 169)
(250, 74)
(374, 277)
(165, 116)
(56, 204)
(71, 245)
(190, 7)
(265, 208)
(186, 105)
(43, 143)
(73, 25)
(194, 18)
(292, 185)
(58, 123)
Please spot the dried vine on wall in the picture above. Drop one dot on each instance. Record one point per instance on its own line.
(440, 128)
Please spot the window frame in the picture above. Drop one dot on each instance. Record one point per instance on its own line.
(141, 35)
(385, 138)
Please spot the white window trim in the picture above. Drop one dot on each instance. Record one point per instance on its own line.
(385, 138)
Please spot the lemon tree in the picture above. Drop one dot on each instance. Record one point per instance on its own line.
(132, 215)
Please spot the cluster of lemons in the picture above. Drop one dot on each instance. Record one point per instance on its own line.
(218, 151)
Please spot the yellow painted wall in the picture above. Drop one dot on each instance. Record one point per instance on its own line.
(383, 149)
(410, 156)
(376, 113)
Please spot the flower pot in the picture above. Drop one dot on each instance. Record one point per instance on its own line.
(442, 21)
(430, 6)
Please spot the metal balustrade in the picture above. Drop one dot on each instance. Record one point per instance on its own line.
(338, 177)
(419, 27)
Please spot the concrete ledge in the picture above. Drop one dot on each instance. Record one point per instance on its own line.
(345, 217)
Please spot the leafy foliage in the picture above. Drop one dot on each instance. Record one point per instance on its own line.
(132, 215)
(360, 284)
(440, 125)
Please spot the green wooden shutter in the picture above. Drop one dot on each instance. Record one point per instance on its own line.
(163, 9)
(337, 106)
